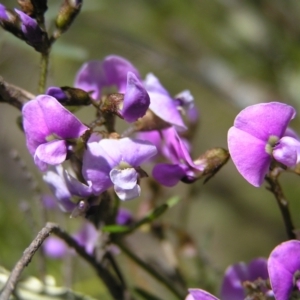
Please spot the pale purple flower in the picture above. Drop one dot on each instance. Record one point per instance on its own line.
(116, 162)
(65, 187)
(87, 237)
(232, 286)
(284, 270)
(94, 76)
(182, 167)
(258, 135)
(198, 294)
(162, 104)
(48, 129)
(55, 248)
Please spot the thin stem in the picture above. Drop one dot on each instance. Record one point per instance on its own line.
(150, 270)
(115, 289)
(276, 190)
(43, 72)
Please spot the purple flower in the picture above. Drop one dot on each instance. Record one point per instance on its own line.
(94, 76)
(55, 248)
(48, 128)
(65, 187)
(181, 167)
(33, 34)
(258, 135)
(115, 162)
(232, 286)
(124, 217)
(198, 294)
(162, 104)
(87, 237)
(284, 270)
(3, 14)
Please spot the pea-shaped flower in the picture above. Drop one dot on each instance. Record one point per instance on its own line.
(116, 162)
(48, 129)
(284, 270)
(259, 135)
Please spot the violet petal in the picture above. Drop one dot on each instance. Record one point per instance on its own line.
(52, 153)
(249, 155)
(198, 294)
(125, 179)
(128, 194)
(168, 174)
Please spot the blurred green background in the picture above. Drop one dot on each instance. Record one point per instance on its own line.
(228, 53)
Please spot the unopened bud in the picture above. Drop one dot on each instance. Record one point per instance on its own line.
(149, 122)
(112, 103)
(70, 96)
(68, 12)
(213, 160)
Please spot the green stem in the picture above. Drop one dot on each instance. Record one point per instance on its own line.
(43, 72)
(150, 270)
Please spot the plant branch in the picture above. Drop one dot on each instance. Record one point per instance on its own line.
(43, 72)
(276, 190)
(13, 95)
(116, 290)
(150, 270)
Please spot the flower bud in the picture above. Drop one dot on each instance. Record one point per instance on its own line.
(69, 96)
(68, 11)
(149, 122)
(213, 159)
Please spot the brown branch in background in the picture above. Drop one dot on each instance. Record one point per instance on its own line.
(13, 95)
(116, 290)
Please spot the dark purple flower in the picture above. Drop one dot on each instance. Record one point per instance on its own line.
(124, 217)
(48, 126)
(114, 71)
(258, 135)
(232, 286)
(30, 28)
(284, 270)
(181, 167)
(115, 162)
(57, 93)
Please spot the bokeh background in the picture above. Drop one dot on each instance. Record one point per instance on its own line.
(229, 54)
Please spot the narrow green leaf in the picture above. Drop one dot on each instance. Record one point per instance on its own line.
(115, 228)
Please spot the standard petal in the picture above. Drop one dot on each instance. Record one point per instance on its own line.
(197, 294)
(52, 153)
(283, 263)
(35, 127)
(125, 179)
(265, 119)
(116, 69)
(131, 151)
(91, 78)
(128, 194)
(249, 155)
(168, 174)
(136, 99)
(59, 120)
(287, 151)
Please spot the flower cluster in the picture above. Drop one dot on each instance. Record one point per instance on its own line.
(282, 268)
(103, 157)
